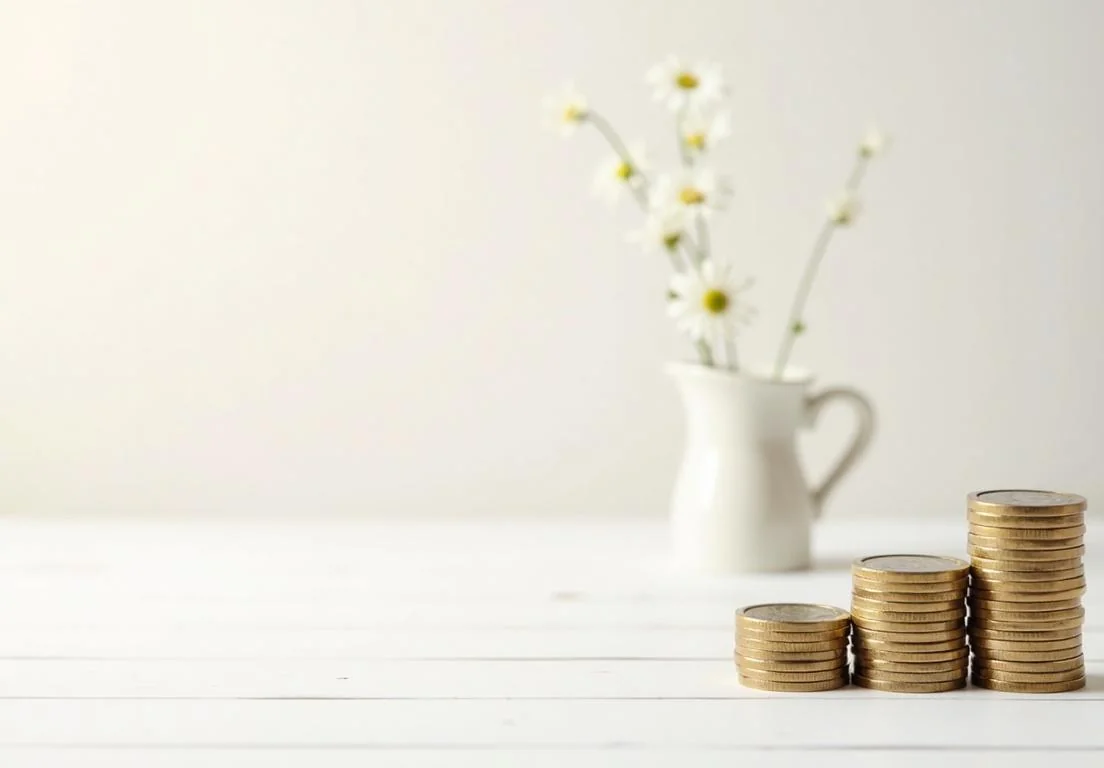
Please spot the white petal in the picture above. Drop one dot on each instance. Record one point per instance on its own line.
(676, 308)
(683, 284)
(721, 128)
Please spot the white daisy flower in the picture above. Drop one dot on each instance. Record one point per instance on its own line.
(662, 230)
(707, 305)
(699, 192)
(681, 87)
(700, 133)
(843, 208)
(566, 109)
(874, 143)
(619, 173)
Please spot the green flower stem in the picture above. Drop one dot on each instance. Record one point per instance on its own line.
(639, 191)
(705, 354)
(610, 135)
(702, 245)
(795, 325)
(857, 172)
(684, 154)
(701, 250)
(703, 238)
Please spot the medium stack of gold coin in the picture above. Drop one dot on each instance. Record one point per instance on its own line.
(1027, 579)
(908, 613)
(792, 646)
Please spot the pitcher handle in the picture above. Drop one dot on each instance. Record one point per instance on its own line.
(859, 442)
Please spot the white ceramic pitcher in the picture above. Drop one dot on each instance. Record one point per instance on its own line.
(741, 502)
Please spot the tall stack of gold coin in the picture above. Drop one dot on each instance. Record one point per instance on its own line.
(1027, 579)
(792, 646)
(908, 614)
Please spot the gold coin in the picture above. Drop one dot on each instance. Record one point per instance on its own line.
(1061, 601)
(1025, 522)
(877, 606)
(1036, 611)
(792, 617)
(1029, 534)
(987, 645)
(770, 654)
(1033, 601)
(1023, 545)
(749, 662)
(1015, 631)
(770, 685)
(1031, 677)
(1039, 581)
(980, 573)
(909, 598)
(1026, 502)
(910, 569)
(793, 637)
(986, 624)
(1026, 566)
(875, 663)
(751, 644)
(1010, 687)
(1016, 596)
(906, 645)
(910, 627)
(867, 615)
(793, 677)
(898, 687)
(905, 657)
(1058, 665)
(1026, 555)
(1038, 636)
(862, 634)
(860, 584)
(887, 676)
(985, 656)
(986, 583)
(1023, 606)
(1028, 619)
(1049, 632)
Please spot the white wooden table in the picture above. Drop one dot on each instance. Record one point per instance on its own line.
(481, 645)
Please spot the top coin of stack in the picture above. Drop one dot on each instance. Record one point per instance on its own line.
(1027, 580)
(907, 613)
(792, 646)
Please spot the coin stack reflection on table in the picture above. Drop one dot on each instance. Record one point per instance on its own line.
(1027, 579)
(908, 614)
(792, 646)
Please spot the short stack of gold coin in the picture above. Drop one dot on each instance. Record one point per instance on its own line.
(1027, 579)
(908, 613)
(792, 646)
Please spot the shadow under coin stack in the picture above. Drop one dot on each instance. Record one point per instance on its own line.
(908, 613)
(1027, 579)
(792, 647)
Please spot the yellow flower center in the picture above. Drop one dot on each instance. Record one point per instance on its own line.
(671, 240)
(715, 301)
(573, 113)
(843, 214)
(691, 196)
(686, 80)
(695, 141)
(624, 171)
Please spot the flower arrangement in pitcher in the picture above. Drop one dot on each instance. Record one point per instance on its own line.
(706, 300)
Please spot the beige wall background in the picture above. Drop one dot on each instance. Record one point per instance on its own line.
(313, 257)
